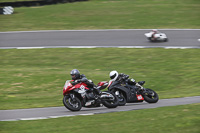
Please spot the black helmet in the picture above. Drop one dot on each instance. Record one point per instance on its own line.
(75, 74)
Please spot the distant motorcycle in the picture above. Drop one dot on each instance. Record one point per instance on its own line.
(79, 95)
(132, 93)
(158, 37)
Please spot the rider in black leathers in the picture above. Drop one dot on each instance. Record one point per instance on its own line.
(115, 76)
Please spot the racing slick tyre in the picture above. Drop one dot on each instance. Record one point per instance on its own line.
(166, 40)
(153, 40)
(72, 104)
(111, 103)
(150, 96)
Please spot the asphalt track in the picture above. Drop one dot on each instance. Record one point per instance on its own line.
(56, 112)
(187, 38)
(182, 38)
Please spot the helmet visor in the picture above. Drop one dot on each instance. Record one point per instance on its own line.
(113, 76)
(73, 75)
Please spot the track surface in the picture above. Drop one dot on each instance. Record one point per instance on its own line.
(55, 112)
(100, 38)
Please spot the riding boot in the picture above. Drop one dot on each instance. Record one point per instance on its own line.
(97, 91)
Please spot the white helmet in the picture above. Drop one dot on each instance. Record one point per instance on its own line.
(113, 75)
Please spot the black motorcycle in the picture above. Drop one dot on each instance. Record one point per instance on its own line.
(132, 92)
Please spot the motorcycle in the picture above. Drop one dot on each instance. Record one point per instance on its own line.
(127, 93)
(79, 95)
(158, 37)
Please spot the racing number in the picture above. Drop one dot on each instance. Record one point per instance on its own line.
(139, 97)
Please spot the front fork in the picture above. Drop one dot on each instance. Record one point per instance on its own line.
(117, 93)
(72, 96)
(141, 87)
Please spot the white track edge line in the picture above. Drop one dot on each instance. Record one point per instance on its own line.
(92, 30)
(48, 117)
(165, 47)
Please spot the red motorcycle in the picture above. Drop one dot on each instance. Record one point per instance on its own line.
(79, 95)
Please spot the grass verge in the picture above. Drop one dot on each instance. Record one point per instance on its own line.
(104, 14)
(177, 119)
(35, 77)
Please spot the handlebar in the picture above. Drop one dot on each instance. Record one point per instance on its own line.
(124, 77)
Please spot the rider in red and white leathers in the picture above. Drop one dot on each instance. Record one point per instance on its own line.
(154, 31)
(77, 78)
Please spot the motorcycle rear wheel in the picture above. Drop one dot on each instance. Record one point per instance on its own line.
(166, 40)
(150, 98)
(111, 104)
(72, 104)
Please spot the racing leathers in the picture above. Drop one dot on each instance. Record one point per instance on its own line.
(89, 83)
(124, 77)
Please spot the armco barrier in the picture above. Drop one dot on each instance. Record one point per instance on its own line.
(35, 3)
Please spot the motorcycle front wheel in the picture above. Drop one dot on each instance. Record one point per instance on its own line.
(111, 103)
(150, 96)
(72, 104)
(121, 97)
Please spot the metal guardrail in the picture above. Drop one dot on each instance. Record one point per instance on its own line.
(35, 2)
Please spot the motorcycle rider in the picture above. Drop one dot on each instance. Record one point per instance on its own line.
(154, 31)
(77, 78)
(115, 76)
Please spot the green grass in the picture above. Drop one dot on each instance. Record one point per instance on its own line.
(105, 14)
(177, 119)
(35, 78)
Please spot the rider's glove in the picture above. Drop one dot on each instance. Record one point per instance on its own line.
(77, 81)
(127, 76)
